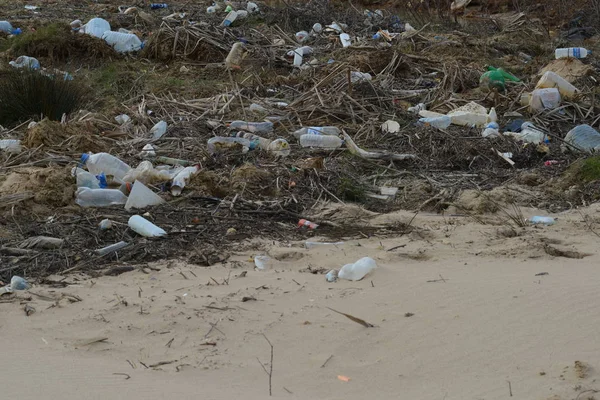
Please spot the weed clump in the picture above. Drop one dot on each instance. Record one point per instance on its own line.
(28, 94)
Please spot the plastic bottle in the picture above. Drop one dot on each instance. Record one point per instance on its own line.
(582, 137)
(241, 14)
(181, 179)
(230, 19)
(211, 10)
(301, 36)
(541, 99)
(219, 144)
(252, 7)
(146, 173)
(123, 42)
(316, 29)
(257, 141)
(307, 223)
(492, 116)
(358, 270)
(325, 142)
(111, 248)
(234, 58)
(356, 77)
(18, 283)
(332, 275)
(122, 119)
(85, 178)
(529, 134)
(311, 245)
(254, 127)
(158, 130)
(442, 122)
(105, 224)
(142, 226)
(317, 130)
(11, 145)
(25, 62)
(257, 108)
(6, 27)
(345, 39)
(104, 162)
(95, 27)
(538, 220)
(553, 80)
(279, 148)
(156, 6)
(575, 52)
(86, 197)
(299, 54)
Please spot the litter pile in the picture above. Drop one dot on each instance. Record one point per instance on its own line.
(234, 121)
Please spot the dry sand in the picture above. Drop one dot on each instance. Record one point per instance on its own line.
(482, 318)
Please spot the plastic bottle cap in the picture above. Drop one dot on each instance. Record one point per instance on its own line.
(84, 158)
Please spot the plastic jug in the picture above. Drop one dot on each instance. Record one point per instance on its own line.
(123, 42)
(96, 27)
(86, 197)
(553, 80)
(542, 99)
(104, 162)
(358, 270)
(317, 130)
(142, 226)
(325, 142)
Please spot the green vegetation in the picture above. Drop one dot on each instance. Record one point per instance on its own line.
(589, 169)
(351, 190)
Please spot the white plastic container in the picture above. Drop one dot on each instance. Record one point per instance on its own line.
(442, 122)
(325, 142)
(575, 52)
(86, 197)
(582, 137)
(211, 10)
(25, 62)
(553, 80)
(345, 39)
(96, 27)
(263, 263)
(542, 99)
(141, 197)
(252, 7)
(316, 29)
(220, 143)
(279, 148)
(234, 58)
(358, 270)
(301, 36)
(122, 119)
(142, 226)
(529, 134)
(85, 178)
(317, 130)
(158, 130)
(257, 141)
(11, 145)
(241, 14)
(357, 77)
(123, 42)
(104, 162)
(230, 18)
(254, 127)
(299, 54)
(182, 178)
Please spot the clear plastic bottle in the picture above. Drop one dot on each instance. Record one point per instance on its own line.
(575, 52)
(25, 62)
(104, 162)
(123, 42)
(182, 178)
(257, 141)
(553, 80)
(325, 142)
(230, 18)
(220, 143)
(11, 145)
(142, 226)
(7, 27)
(345, 39)
(95, 27)
(317, 130)
(442, 122)
(86, 197)
(146, 173)
(254, 127)
(252, 7)
(582, 137)
(538, 220)
(358, 270)
(85, 178)
(159, 130)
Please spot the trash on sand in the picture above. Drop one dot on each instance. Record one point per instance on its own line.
(357, 270)
(325, 142)
(332, 275)
(123, 42)
(390, 126)
(86, 197)
(262, 263)
(553, 80)
(541, 99)
(143, 227)
(539, 220)
(18, 283)
(105, 224)
(317, 130)
(141, 197)
(105, 163)
(582, 138)
(11, 145)
(234, 58)
(311, 245)
(111, 248)
(529, 134)
(308, 224)
(42, 242)
(182, 178)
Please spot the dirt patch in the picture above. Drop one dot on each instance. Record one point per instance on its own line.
(51, 186)
(209, 183)
(250, 178)
(71, 137)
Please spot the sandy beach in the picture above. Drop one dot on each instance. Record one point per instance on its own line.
(461, 311)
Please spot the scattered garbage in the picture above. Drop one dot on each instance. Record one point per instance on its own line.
(262, 263)
(221, 144)
(575, 52)
(141, 196)
(25, 62)
(357, 270)
(158, 130)
(582, 138)
(390, 127)
(441, 122)
(253, 127)
(311, 245)
(541, 99)
(86, 197)
(307, 224)
(143, 227)
(18, 283)
(529, 133)
(94, 27)
(345, 39)
(538, 220)
(332, 275)
(122, 42)
(111, 248)
(156, 6)
(122, 119)
(181, 179)
(86, 179)
(11, 145)
(105, 163)
(553, 80)
(105, 224)
(317, 130)
(325, 142)
(6, 27)
(42, 242)
(234, 58)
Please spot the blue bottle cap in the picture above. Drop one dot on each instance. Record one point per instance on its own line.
(84, 158)
(102, 180)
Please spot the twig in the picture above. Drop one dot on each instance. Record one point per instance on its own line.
(326, 361)
(270, 371)
(127, 376)
(509, 388)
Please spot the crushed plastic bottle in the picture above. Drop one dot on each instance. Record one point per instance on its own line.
(317, 130)
(308, 224)
(253, 127)
(7, 27)
(182, 178)
(111, 248)
(279, 147)
(234, 58)
(325, 142)
(25, 62)
(553, 80)
(582, 138)
(143, 227)
(18, 283)
(156, 6)
(94, 27)
(332, 275)
(105, 224)
(146, 173)
(418, 108)
(357, 77)
(442, 122)
(123, 42)
(345, 39)
(574, 52)
(86, 197)
(105, 163)
(263, 263)
(158, 130)
(122, 119)
(538, 220)
(220, 144)
(85, 178)
(11, 145)
(358, 270)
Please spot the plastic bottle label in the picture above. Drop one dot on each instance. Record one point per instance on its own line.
(577, 52)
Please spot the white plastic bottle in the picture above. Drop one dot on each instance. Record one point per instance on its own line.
(442, 122)
(182, 178)
(142, 226)
(25, 62)
(96, 27)
(254, 127)
(11, 145)
(358, 270)
(317, 130)
(123, 42)
(325, 142)
(85, 178)
(86, 197)
(575, 52)
(104, 162)
(553, 80)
